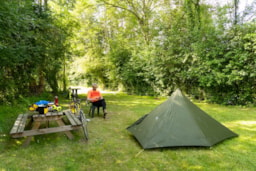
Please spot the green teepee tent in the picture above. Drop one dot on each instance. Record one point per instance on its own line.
(178, 122)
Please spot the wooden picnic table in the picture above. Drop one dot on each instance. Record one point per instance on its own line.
(33, 123)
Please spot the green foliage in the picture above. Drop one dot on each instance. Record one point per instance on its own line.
(144, 47)
(32, 48)
(224, 71)
(155, 47)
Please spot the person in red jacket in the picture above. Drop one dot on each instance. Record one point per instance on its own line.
(97, 100)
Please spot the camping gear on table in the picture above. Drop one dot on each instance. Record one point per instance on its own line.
(39, 106)
(44, 106)
(33, 107)
(178, 122)
(56, 108)
(56, 101)
(42, 109)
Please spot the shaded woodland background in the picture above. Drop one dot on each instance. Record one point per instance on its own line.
(144, 47)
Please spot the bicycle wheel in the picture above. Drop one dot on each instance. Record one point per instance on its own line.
(84, 124)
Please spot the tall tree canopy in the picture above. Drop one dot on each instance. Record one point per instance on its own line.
(33, 48)
(153, 47)
(140, 46)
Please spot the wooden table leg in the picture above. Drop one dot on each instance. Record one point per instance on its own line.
(36, 125)
(68, 133)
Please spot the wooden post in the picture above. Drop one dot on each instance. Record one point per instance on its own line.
(68, 133)
(36, 125)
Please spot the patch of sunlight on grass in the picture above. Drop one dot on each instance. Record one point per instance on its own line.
(247, 125)
(247, 138)
(64, 105)
(184, 165)
(2, 137)
(138, 102)
(18, 142)
(197, 167)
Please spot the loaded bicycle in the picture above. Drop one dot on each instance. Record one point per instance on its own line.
(75, 108)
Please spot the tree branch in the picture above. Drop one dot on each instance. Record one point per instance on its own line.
(124, 8)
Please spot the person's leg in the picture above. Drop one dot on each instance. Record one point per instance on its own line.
(92, 109)
(95, 105)
(104, 105)
(101, 103)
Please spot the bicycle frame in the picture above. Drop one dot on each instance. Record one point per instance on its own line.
(75, 107)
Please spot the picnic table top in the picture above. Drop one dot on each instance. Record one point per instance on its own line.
(35, 120)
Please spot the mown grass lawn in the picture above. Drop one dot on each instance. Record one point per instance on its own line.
(112, 147)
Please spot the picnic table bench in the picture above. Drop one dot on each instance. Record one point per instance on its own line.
(33, 122)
